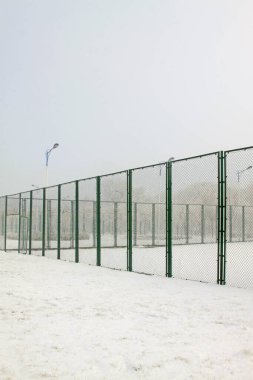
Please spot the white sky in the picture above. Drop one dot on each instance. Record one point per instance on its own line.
(120, 84)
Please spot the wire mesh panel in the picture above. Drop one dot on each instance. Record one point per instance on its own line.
(235, 223)
(68, 221)
(248, 218)
(24, 222)
(51, 222)
(179, 224)
(194, 188)
(87, 222)
(209, 228)
(2, 222)
(114, 221)
(12, 222)
(37, 221)
(144, 224)
(239, 256)
(149, 220)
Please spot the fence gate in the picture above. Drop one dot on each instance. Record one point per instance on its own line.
(239, 247)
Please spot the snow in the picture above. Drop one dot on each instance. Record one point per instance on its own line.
(61, 320)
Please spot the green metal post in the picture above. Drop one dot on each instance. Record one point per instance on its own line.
(187, 223)
(98, 223)
(153, 224)
(5, 223)
(59, 224)
(168, 219)
(77, 224)
(31, 222)
(115, 224)
(225, 217)
(222, 219)
(44, 221)
(19, 221)
(202, 224)
(129, 221)
(243, 223)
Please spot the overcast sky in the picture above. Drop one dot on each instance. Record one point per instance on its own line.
(119, 84)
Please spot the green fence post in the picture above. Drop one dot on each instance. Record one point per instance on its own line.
(218, 218)
(59, 224)
(202, 224)
(5, 223)
(153, 224)
(129, 221)
(225, 216)
(77, 223)
(115, 224)
(43, 221)
(31, 222)
(187, 223)
(19, 221)
(243, 223)
(169, 219)
(98, 212)
(221, 267)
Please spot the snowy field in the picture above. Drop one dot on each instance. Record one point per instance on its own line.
(61, 320)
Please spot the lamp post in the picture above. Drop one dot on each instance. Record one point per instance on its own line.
(239, 174)
(48, 152)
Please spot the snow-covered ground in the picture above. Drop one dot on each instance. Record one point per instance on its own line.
(61, 320)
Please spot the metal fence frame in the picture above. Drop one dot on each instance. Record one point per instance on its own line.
(222, 216)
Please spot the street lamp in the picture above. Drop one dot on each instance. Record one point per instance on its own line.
(48, 152)
(239, 173)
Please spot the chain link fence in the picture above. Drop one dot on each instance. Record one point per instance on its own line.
(239, 247)
(189, 219)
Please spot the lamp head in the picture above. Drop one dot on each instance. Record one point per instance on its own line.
(55, 145)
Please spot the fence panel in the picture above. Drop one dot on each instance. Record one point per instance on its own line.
(25, 222)
(68, 221)
(51, 222)
(248, 223)
(128, 229)
(114, 221)
(87, 222)
(37, 222)
(12, 222)
(149, 220)
(2, 222)
(194, 189)
(239, 257)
